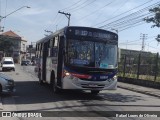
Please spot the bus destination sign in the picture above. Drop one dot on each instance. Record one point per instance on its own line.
(95, 34)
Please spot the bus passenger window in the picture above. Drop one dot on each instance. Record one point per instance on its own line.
(56, 42)
(54, 52)
(51, 43)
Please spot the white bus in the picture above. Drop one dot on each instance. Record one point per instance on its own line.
(80, 58)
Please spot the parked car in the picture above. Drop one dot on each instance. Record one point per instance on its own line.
(25, 62)
(8, 64)
(4, 58)
(7, 84)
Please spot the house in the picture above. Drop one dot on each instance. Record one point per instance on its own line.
(18, 46)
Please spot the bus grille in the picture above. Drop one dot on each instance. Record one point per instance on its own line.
(92, 86)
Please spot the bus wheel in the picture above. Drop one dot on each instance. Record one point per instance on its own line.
(53, 84)
(95, 92)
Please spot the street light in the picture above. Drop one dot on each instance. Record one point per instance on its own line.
(2, 17)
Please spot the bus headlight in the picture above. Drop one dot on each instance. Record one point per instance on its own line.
(115, 77)
(66, 73)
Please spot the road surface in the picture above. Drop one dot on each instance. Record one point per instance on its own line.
(30, 96)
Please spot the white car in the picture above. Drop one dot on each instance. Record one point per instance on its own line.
(8, 64)
(6, 84)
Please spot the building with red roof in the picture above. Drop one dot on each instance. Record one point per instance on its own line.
(18, 48)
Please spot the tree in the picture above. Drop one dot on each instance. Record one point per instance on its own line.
(5, 44)
(155, 19)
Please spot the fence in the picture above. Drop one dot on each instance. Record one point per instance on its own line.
(140, 66)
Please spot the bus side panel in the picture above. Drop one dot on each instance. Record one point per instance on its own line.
(51, 63)
(48, 69)
(51, 66)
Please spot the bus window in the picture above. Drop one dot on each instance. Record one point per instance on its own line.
(81, 53)
(56, 41)
(105, 55)
(54, 52)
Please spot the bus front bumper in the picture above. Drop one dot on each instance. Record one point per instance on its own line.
(76, 83)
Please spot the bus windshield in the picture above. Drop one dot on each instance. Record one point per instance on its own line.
(92, 54)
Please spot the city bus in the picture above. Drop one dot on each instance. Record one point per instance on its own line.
(79, 58)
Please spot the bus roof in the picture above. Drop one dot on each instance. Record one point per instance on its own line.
(45, 39)
(63, 30)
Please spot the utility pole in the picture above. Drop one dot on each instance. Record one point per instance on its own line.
(143, 37)
(1, 28)
(68, 15)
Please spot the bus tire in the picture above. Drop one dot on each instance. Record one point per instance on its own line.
(53, 84)
(95, 92)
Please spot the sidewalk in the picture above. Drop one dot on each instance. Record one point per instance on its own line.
(140, 89)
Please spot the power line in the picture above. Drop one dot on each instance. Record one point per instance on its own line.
(153, 47)
(71, 5)
(74, 8)
(128, 16)
(139, 40)
(131, 19)
(124, 12)
(120, 7)
(127, 20)
(128, 23)
(131, 26)
(84, 6)
(58, 19)
(77, 6)
(97, 10)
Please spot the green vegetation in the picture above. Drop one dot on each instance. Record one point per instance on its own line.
(155, 19)
(6, 45)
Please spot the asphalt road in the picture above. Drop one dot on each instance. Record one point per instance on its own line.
(30, 96)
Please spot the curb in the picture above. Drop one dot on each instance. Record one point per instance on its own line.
(140, 91)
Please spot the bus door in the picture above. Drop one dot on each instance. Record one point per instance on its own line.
(44, 58)
(60, 61)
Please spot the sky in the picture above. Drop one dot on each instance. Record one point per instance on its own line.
(31, 23)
